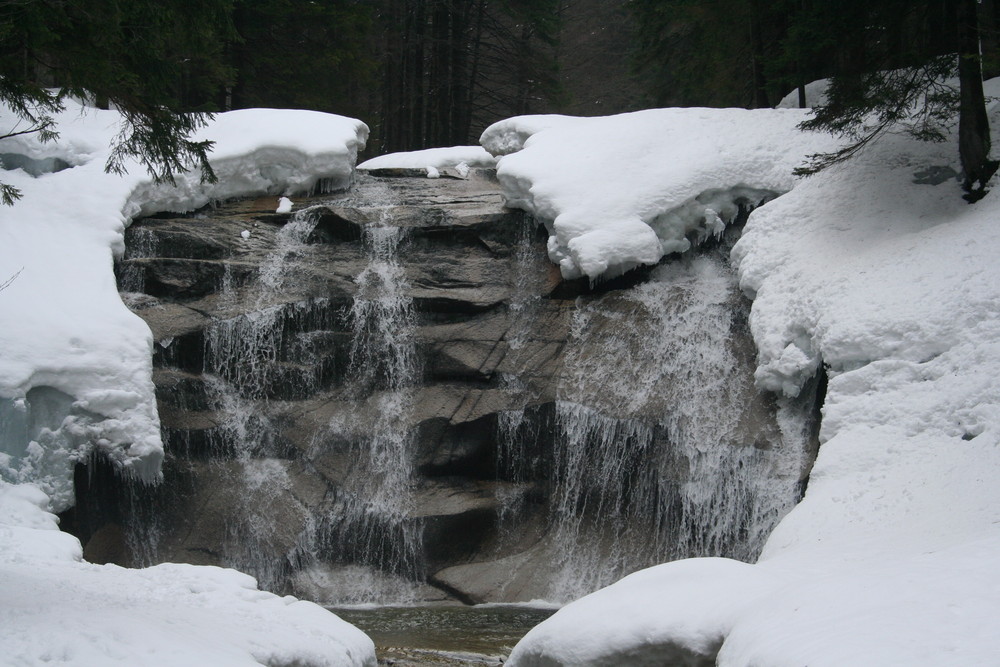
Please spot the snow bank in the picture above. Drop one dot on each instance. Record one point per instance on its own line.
(624, 623)
(433, 160)
(892, 284)
(75, 367)
(57, 608)
(621, 191)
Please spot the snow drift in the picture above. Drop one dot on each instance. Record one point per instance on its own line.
(621, 191)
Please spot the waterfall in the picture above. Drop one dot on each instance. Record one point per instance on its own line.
(395, 388)
(658, 452)
(249, 359)
(370, 524)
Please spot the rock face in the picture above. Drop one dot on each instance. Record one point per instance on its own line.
(394, 386)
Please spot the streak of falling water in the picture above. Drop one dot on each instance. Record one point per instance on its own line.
(244, 362)
(517, 434)
(687, 467)
(140, 243)
(370, 524)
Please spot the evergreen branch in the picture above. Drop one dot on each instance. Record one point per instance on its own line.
(157, 139)
(9, 194)
(917, 98)
(817, 162)
(43, 128)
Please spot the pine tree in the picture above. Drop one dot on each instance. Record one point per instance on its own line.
(451, 67)
(303, 54)
(711, 52)
(893, 68)
(158, 63)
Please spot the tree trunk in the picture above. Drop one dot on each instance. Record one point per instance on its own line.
(973, 124)
(757, 44)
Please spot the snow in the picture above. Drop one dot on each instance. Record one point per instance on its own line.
(75, 363)
(815, 95)
(618, 192)
(58, 608)
(434, 160)
(892, 285)
(284, 205)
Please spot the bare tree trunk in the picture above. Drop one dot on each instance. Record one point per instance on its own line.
(465, 122)
(757, 43)
(973, 124)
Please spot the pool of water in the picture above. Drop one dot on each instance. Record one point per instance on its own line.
(444, 635)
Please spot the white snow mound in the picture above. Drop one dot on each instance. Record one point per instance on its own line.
(58, 609)
(621, 191)
(434, 160)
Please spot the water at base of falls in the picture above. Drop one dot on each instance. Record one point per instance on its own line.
(445, 635)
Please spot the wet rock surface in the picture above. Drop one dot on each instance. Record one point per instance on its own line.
(247, 323)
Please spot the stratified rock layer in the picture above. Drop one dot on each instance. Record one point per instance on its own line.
(493, 333)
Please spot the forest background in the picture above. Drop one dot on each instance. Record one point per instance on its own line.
(426, 73)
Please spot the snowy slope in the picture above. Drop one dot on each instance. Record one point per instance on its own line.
(893, 284)
(75, 364)
(55, 608)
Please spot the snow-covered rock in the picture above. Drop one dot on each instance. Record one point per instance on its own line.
(75, 363)
(675, 614)
(891, 284)
(621, 191)
(58, 608)
(434, 160)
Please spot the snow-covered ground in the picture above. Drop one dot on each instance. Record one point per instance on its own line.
(57, 609)
(869, 269)
(75, 373)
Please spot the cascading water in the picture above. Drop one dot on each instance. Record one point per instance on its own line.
(657, 452)
(369, 523)
(244, 362)
(514, 455)
(346, 429)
